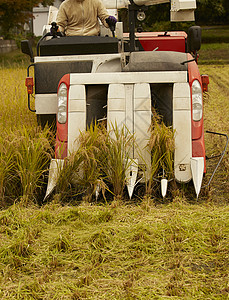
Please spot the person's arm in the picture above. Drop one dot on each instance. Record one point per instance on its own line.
(102, 13)
(61, 18)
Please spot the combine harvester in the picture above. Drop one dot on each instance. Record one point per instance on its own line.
(120, 77)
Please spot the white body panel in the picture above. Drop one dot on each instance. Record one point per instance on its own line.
(182, 16)
(46, 103)
(129, 77)
(164, 187)
(182, 127)
(182, 10)
(142, 122)
(150, 2)
(177, 5)
(55, 168)
(53, 11)
(76, 115)
(116, 105)
(129, 105)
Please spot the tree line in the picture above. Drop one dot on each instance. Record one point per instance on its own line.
(15, 13)
(208, 12)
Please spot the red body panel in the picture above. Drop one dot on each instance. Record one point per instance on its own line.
(198, 146)
(164, 41)
(61, 147)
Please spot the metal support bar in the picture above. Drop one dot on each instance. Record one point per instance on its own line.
(29, 106)
(132, 16)
(133, 8)
(32, 110)
(222, 155)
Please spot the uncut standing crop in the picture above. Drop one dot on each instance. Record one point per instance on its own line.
(25, 149)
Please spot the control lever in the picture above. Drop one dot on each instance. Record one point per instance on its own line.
(55, 30)
(111, 21)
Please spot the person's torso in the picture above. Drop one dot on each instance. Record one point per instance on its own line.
(82, 17)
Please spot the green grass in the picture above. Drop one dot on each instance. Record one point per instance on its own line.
(215, 34)
(217, 53)
(215, 45)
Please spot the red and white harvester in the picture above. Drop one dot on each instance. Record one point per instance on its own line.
(120, 77)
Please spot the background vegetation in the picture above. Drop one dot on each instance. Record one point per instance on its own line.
(208, 12)
(14, 14)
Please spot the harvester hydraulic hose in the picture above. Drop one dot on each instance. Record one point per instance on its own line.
(40, 40)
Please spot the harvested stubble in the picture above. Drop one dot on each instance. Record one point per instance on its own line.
(177, 251)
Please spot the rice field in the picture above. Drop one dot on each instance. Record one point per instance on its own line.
(100, 161)
(146, 249)
(25, 149)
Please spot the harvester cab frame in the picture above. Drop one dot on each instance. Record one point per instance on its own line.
(81, 79)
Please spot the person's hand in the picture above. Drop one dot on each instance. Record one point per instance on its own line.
(54, 31)
(54, 28)
(111, 21)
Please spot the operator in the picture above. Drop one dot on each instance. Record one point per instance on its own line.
(80, 17)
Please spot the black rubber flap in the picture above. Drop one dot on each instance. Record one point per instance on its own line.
(71, 45)
(48, 75)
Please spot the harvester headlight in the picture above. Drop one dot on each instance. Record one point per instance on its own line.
(197, 101)
(62, 103)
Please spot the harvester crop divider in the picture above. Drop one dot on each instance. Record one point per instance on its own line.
(164, 186)
(131, 175)
(55, 168)
(197, 168)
